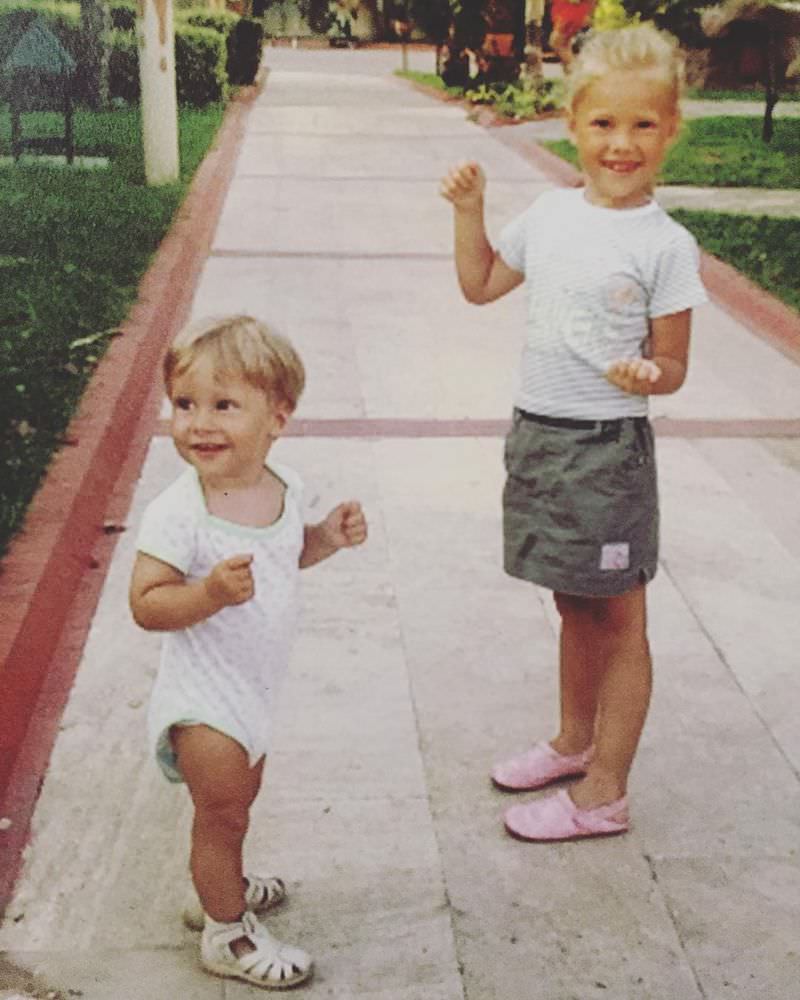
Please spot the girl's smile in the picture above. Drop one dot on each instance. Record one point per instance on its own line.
(622, 124)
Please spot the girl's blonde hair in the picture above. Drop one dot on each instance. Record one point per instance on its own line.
(243, 346)
(638, 47)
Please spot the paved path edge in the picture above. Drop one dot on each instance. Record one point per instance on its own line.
(54, 570)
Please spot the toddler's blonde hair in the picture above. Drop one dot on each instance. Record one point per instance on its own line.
(637, 47)
(239, 345)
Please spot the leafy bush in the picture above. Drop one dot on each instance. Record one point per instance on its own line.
(200, 59)
(123, 15)
(514, 101)
(62, 298)
(244, 51)
(123, 68)
(218, 20)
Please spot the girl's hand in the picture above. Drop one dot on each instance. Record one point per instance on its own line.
(231, 581)
(464, 185)
(637, 376)
(346, 525)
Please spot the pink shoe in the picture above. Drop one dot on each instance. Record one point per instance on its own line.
(538, 767)
(556, 817)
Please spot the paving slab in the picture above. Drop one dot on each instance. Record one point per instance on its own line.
(419, 662)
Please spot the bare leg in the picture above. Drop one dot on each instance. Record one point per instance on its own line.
(580, 679)
(614, 632)
(222, 786)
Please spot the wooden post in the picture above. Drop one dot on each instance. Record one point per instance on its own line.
(156, 38)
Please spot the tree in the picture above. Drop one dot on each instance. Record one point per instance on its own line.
(434, 18)
(771, 31)
(94, 60)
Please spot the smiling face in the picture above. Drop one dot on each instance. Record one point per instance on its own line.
(622, 124)
(222, 425)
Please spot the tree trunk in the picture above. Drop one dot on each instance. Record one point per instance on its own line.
(770, 85)
(95, 28)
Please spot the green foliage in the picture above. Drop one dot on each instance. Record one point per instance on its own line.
(218, 20)
(62, 298)
(123, 15)
(725, 152)
(766, 249)
(610, 14)
(517, 102)
(680, 17)
(123, 68)
(244, 51)
(201, 55)
(432, 17)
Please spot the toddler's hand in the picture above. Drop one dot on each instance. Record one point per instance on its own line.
(346, 525)
(231, 581)
(635, 376)
(463, 185)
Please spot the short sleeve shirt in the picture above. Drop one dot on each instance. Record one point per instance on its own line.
(594, 278)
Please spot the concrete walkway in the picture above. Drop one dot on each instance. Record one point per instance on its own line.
(419, 662)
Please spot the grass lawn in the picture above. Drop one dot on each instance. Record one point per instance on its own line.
(767, 250)
(726, 152)
(756, 94)
(73, 246)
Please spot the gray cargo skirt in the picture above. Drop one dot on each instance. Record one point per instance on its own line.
(580, 504)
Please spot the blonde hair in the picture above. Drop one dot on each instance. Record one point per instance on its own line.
(243, 346)
(637, 47)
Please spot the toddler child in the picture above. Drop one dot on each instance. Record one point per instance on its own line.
(610, 282)
(217, 571)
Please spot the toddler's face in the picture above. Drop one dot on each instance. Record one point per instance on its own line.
(623, 124)
(222, 425)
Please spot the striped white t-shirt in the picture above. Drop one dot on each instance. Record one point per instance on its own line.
(594, 277)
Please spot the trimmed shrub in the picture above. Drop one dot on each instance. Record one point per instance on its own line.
(221, 21)
(200, 58)
(244, 50)
(123, 15)
(123, 68)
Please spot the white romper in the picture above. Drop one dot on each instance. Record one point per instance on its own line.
(224, 672)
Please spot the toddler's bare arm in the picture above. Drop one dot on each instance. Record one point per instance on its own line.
(344, 527)
(482, 274)
(163, 600)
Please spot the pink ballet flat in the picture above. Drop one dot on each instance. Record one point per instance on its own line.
(556, 817)
(538, 767)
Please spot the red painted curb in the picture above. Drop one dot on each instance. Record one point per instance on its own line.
(52, 575)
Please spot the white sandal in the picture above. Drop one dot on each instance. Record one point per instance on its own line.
(271, 965)
(261, 895)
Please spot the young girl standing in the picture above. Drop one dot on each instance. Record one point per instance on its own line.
(610, 284)
(216, 570)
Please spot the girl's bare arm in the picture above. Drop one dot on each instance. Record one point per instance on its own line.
(482, 274)
(665, 370)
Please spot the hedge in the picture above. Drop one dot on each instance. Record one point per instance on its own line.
(210, 48)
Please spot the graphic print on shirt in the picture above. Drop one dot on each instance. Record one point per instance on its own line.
(607, 323)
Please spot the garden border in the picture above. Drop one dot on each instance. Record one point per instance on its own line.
(53, 573)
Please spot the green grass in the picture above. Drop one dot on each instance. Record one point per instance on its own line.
(73, 246)
(752, 94)
(766, 249)
(726, 152)
(429, 80)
